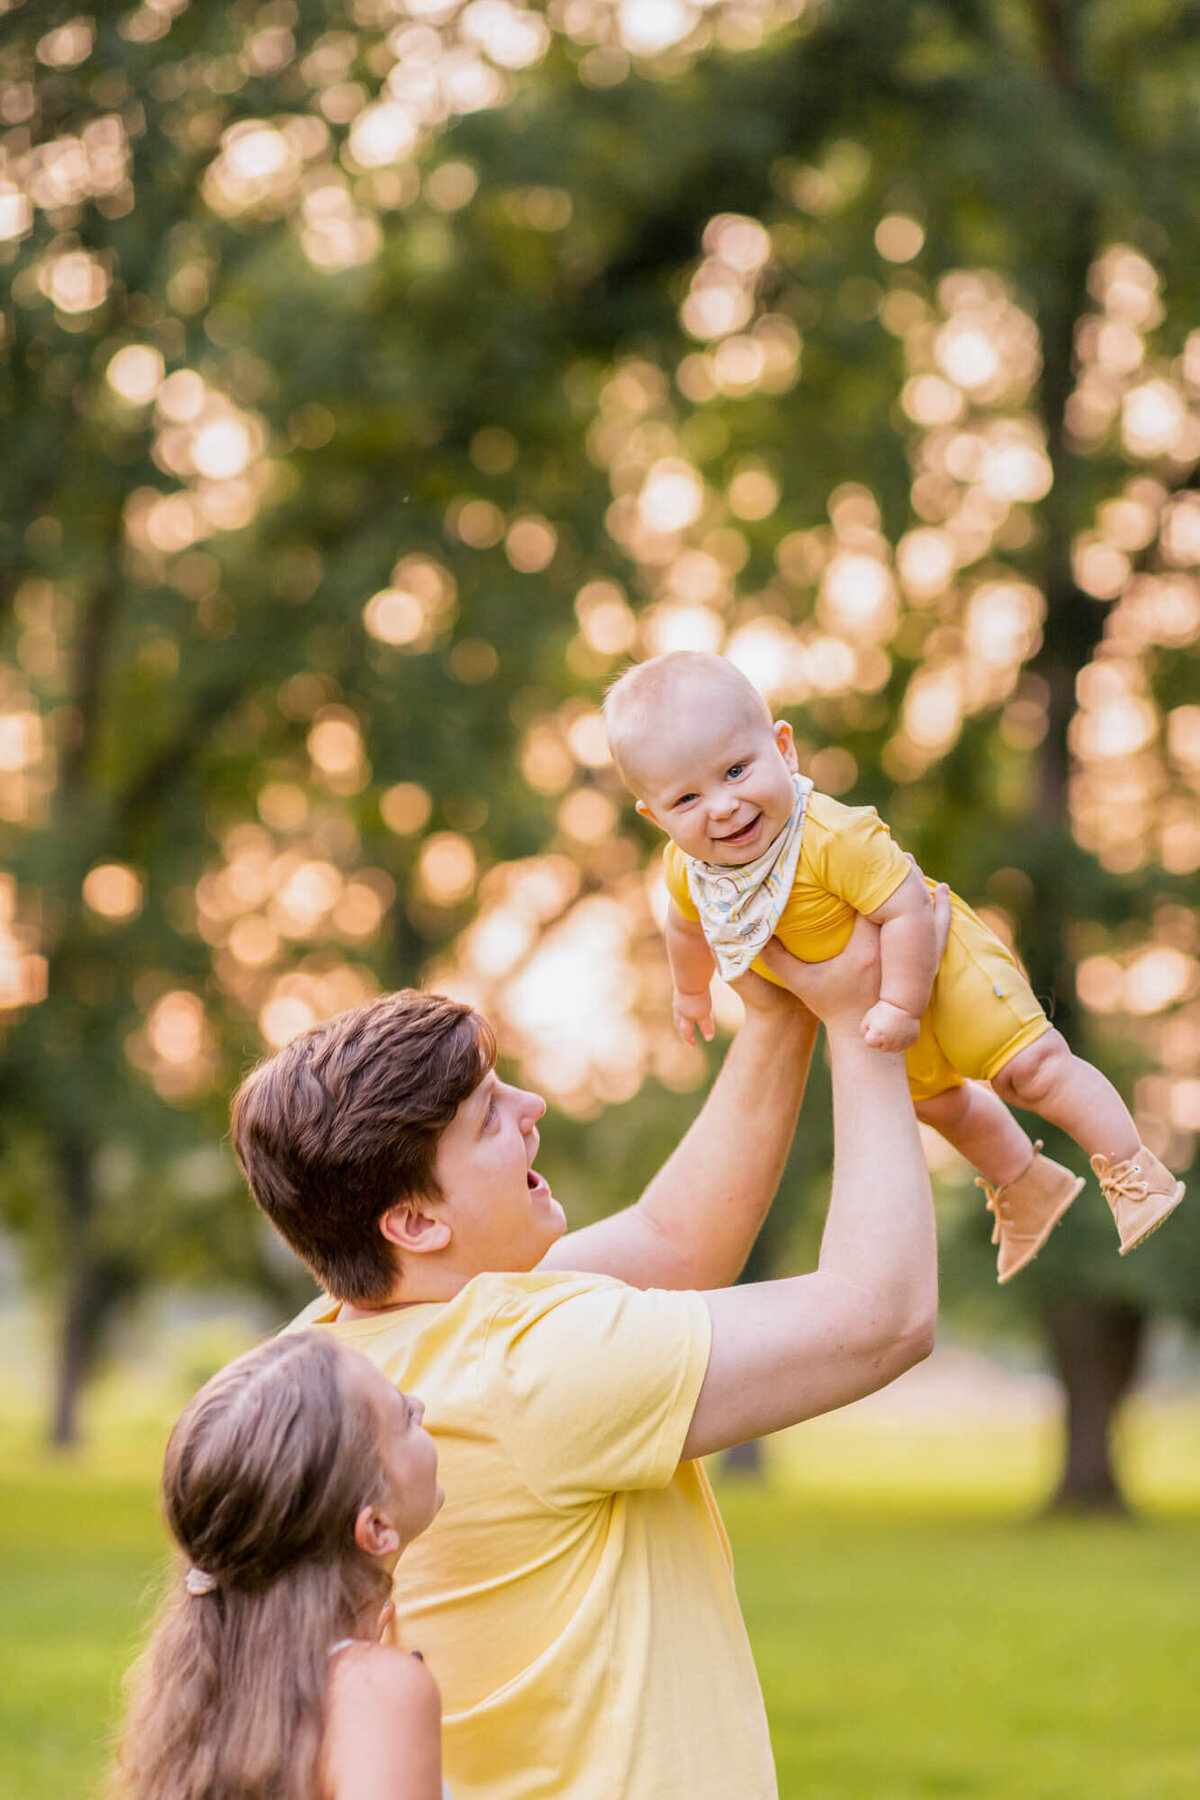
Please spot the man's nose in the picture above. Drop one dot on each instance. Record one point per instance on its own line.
(532, 1108)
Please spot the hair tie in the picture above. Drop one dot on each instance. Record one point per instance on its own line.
(199, 1581)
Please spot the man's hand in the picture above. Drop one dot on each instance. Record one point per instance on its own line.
(690, 1010)
(888, 1027)
(840, 990)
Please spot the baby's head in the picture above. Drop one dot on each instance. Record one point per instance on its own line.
(694, 740)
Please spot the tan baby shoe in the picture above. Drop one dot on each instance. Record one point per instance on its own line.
(1141, 1192)
(1027, 1210)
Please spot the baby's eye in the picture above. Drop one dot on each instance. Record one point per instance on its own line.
(736, 769)
(685, 799)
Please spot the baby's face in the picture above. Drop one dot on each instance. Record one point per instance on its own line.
(718, 780)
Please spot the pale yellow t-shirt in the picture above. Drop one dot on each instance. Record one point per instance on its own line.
(574, 1598)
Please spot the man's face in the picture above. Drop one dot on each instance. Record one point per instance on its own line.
(720, 781)
(502, 1212)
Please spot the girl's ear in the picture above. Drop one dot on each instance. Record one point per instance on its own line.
(643, 812)
(373, 1534)
(414, 1231)
(786, 744)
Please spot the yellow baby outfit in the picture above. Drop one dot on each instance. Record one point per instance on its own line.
(981, 1011)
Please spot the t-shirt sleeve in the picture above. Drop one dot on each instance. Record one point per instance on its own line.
(858, 859)
(675, 875)
(591, 1385)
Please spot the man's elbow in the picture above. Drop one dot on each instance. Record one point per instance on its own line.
(919, 1341)
(902, 1336)
(914, 1334)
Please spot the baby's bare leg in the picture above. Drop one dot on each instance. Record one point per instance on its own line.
(1048, 1079)
(981, 1128)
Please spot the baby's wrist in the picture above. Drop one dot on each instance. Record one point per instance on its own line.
(906, 1012)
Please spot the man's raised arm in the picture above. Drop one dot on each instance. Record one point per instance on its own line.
(783, 1351)
(695, 1224)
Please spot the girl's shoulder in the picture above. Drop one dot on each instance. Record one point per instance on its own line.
(362, 1669)
(383, 1724)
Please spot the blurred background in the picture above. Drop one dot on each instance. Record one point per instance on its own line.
(377, 378)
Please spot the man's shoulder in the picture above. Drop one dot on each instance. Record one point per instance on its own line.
(321, 1311)
(521, 1292)
(510, 1291)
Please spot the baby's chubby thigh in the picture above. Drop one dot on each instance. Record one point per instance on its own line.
(982, 1009)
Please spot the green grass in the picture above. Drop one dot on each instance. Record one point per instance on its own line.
(917, 1635)
(908, 1657)
(79, 1550)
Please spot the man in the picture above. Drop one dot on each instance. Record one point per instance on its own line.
(575, 1597)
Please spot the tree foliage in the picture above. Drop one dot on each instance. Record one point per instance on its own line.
(379, 376)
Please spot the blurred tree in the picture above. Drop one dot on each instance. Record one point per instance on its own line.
(383, 375)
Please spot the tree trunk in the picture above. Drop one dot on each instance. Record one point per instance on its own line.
(1095, 1345)
(83, 1301)
(745, 1460)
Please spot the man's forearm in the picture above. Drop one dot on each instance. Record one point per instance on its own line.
(785, 1350)
(879, 1234)
(709, 1199)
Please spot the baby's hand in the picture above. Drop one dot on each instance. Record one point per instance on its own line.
(888, 1027)
(690, 1010)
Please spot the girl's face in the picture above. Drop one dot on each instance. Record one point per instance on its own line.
(406, 1450)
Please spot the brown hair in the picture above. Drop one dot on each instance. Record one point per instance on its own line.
(345, 1121)
(265, 1473)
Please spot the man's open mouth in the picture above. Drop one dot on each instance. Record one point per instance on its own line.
(534, 1181)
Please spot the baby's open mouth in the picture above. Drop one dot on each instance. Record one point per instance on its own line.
(742, 833)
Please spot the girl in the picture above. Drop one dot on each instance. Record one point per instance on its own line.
(292, 1482)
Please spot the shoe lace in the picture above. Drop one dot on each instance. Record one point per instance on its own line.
(1124, 1181)
(995, 1200)
(993, 1205)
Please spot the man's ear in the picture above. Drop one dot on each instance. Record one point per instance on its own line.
(787, 745)
(373, 1534)
(643, 812)
(414, 1231)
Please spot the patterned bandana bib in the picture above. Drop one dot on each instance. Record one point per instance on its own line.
(740, 907)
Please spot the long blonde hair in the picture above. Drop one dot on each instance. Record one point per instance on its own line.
(265, 1473)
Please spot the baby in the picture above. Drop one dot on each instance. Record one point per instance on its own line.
(755, 851)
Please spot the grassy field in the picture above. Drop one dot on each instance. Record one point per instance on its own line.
(918, 1636)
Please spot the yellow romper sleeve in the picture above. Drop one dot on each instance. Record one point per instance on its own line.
(675, 874)
(853, 854)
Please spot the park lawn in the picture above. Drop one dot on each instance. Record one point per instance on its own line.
(906, 1657)
(908, 1648)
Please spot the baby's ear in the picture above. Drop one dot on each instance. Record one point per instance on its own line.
(643, 812)
(787, 745)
